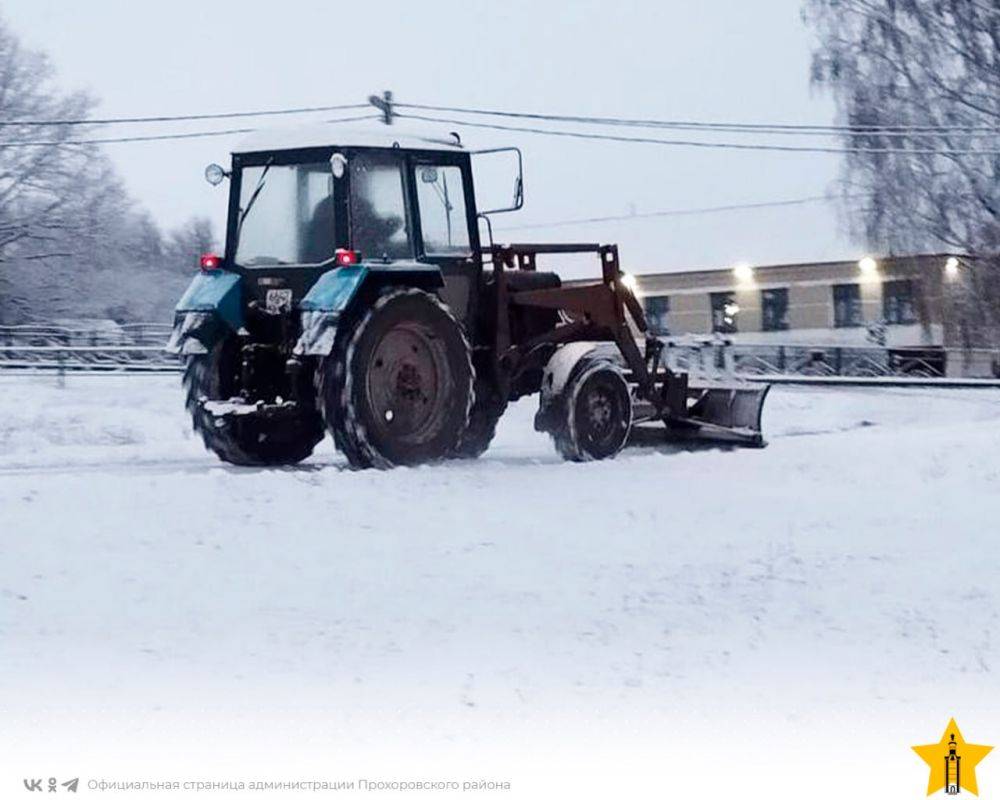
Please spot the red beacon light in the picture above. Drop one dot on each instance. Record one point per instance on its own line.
(346, 258)
(210, 261)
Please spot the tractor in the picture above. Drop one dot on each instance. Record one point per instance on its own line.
(355, 296)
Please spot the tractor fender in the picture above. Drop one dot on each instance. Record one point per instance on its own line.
(560, 367)
(209, 309)
(558, 370)
(338, 292)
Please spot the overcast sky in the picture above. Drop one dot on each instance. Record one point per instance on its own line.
(727, 60)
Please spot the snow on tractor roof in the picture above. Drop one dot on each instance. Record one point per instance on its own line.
(345, 136)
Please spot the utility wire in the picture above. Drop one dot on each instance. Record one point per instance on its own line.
(182, 117)
(682, 124)
(741, 127)
(679, 212)
(160, 136)
(700, 144)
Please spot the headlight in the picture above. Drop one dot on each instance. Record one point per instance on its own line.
(214, 174)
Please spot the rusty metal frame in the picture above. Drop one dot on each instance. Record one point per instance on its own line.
(599, 311)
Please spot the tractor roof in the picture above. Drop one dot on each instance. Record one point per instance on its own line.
(342, 135)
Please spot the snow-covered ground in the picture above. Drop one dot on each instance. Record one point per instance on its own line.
(671, 620)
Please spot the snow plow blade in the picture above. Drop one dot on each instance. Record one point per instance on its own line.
(726, 413)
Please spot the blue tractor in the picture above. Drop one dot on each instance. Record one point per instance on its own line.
(356, 297)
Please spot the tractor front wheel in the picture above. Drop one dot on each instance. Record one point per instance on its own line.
(593, 413)
(398, 387)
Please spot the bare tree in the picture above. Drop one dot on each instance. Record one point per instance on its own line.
(34, 180)
(72, 242)
(188, 242)
(930, 69)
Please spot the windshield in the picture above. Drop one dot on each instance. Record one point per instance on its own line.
(286, 215)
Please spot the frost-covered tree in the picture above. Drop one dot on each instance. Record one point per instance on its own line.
(930, 69)
(72, 241)
(34, 181)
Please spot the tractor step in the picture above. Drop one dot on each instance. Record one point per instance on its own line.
(238, 407)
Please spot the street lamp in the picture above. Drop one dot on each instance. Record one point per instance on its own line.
(868, 266)
(743, 273)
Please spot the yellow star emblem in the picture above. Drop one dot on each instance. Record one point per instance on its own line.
(952, 761)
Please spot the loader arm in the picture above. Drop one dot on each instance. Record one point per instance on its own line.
(601, 312)
(604, 307)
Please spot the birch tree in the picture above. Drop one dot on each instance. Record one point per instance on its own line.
(920, 78)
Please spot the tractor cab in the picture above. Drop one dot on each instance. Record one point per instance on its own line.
(298, 210)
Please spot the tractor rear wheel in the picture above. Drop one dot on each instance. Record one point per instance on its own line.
(486, 411)
(398, 388)
(247, 440)
(593, 413)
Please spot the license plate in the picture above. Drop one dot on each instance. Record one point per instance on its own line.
(279, 300)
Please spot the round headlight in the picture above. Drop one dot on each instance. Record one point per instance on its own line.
(214, 174)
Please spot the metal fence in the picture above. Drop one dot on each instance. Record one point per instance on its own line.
(761, 361)
(148, 334)
(112, 348)
(139, 348)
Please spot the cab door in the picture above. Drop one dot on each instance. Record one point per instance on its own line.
(445, 223)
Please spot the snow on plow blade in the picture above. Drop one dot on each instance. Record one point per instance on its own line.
(722, 412)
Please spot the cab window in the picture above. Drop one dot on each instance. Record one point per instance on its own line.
(443, 221)
(286, 215)
(378, 207)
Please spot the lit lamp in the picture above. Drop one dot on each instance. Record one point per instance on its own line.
(743, 273)
(951, 267)
(868, 266)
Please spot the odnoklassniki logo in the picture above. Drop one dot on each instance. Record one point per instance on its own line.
(952, 761)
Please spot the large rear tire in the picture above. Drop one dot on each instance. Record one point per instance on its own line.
(245, 440)
(398, 387)
(487, 409)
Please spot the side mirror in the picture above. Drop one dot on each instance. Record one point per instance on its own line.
(493, 170)
(338, 165)
(215, 174)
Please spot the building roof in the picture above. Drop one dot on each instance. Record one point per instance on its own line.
(818, 265)
(777, 275)
(330, 135)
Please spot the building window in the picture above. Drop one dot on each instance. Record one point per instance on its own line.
(657, 313)
(774, 309)
(898, 307)
(724, 312)
(847, 305)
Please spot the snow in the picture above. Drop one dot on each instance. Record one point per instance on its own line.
(663, 620)
(374, 134)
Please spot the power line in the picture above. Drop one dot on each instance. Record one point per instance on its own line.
(159, 136)
(679, 212)
(680, 124)
(741, 127)
(700, 144)
(184, 117)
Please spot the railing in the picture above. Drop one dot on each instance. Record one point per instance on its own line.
(139, 334)
(817, 361)
(139, 348)
(114, 348)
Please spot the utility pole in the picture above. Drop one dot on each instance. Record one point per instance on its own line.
(383, 104)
